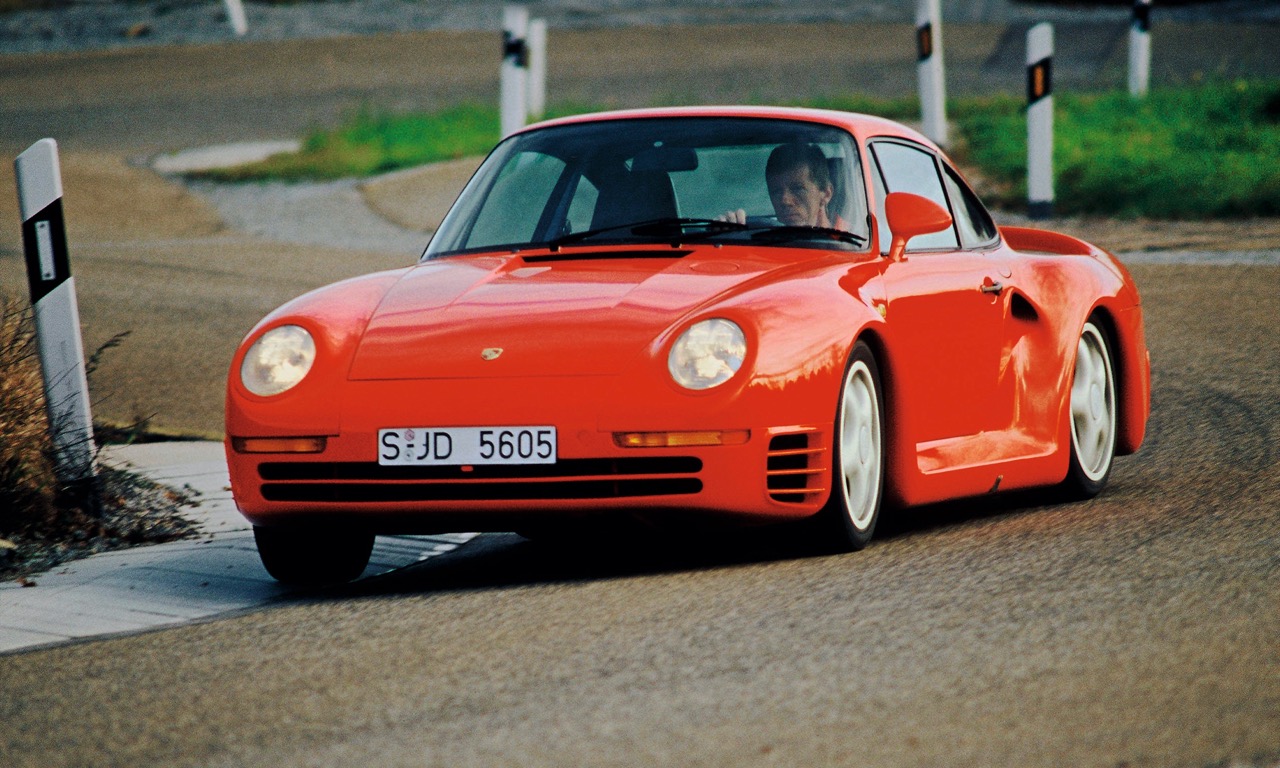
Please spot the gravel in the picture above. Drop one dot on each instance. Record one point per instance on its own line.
(135, 511)
(332, 214)
(95, 24)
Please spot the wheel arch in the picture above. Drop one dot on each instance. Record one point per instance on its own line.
(1131, 368)
(897, 451)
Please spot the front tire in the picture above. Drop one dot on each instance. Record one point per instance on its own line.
(858, 454)
(1093, 415)
(309, 558)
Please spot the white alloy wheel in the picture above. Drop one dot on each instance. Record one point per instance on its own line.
(1093, 412)
(858, 447)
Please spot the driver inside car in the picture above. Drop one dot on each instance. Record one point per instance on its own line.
(800, 187)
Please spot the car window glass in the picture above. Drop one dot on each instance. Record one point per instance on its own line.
(596, 178)
(972, 220)
(907, 169)
(882, 226)
(527, 176)
(725, 177)
(581, 207)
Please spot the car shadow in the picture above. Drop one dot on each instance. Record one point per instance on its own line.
(508, 560)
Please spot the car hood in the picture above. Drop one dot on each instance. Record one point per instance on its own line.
(554, 315)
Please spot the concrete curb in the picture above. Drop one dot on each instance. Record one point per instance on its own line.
(136, 590)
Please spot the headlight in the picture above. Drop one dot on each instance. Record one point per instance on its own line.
(278, 360)
(708, 354)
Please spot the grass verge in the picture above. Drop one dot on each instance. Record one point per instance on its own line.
(1181, 153)
(1196, 152)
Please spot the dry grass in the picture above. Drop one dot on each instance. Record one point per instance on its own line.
(26, 471)
(41, 523)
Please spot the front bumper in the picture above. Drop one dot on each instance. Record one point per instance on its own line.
(778, 473)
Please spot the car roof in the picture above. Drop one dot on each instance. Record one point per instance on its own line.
(862, 126)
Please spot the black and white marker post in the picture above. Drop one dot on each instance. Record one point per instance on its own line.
(235, 15)
(536, 41)
(929, 70)
(1040, 121)
(515, 68)
(57, 317)
(1140, 49)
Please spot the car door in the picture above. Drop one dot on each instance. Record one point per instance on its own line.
(944, 311)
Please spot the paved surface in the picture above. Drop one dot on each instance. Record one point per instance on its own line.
(1137, 629)
(139, 589)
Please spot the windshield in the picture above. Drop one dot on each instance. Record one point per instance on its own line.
(766, 181)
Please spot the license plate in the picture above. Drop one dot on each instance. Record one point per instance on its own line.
(441, 446)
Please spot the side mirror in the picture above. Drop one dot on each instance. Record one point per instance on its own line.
(910, 215)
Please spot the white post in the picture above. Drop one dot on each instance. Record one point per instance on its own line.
(57, 316)
(515, 62)
(1140, 49)
(537, 41)
(929, 70)
(235, 15)
(1040, 121)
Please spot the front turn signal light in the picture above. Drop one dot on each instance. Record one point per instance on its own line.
(279, 444)
(681, 439)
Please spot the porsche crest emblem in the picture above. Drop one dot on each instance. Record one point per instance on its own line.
(491, 353)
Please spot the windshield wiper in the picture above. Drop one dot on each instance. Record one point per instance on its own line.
(663, 228)
(804, 232)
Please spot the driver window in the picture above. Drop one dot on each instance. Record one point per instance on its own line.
(906, 169)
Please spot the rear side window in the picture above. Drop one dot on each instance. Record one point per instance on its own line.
(973, 222)
(904, 168)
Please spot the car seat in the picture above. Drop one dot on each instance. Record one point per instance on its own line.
(634, 197)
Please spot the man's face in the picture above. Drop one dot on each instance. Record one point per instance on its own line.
(797, 198)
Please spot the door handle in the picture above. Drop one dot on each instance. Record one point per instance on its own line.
(991, 286)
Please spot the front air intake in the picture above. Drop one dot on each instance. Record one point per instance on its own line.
(797, 468)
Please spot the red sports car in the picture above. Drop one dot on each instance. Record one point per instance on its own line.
(670, 315)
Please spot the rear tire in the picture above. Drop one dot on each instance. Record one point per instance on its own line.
(1093, 416)
(313, 558)
(858, 455)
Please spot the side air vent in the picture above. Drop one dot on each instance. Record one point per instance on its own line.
(1022, 309)
(798, 468)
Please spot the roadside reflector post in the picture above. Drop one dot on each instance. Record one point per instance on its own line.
(929, 70)
(1140, 49)
(515, 68)
(537, 43)
(1040, 121)
(235, 15)
(57, 316)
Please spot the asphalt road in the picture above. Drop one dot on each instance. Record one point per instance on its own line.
(1137, 629)
(1141, 628)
